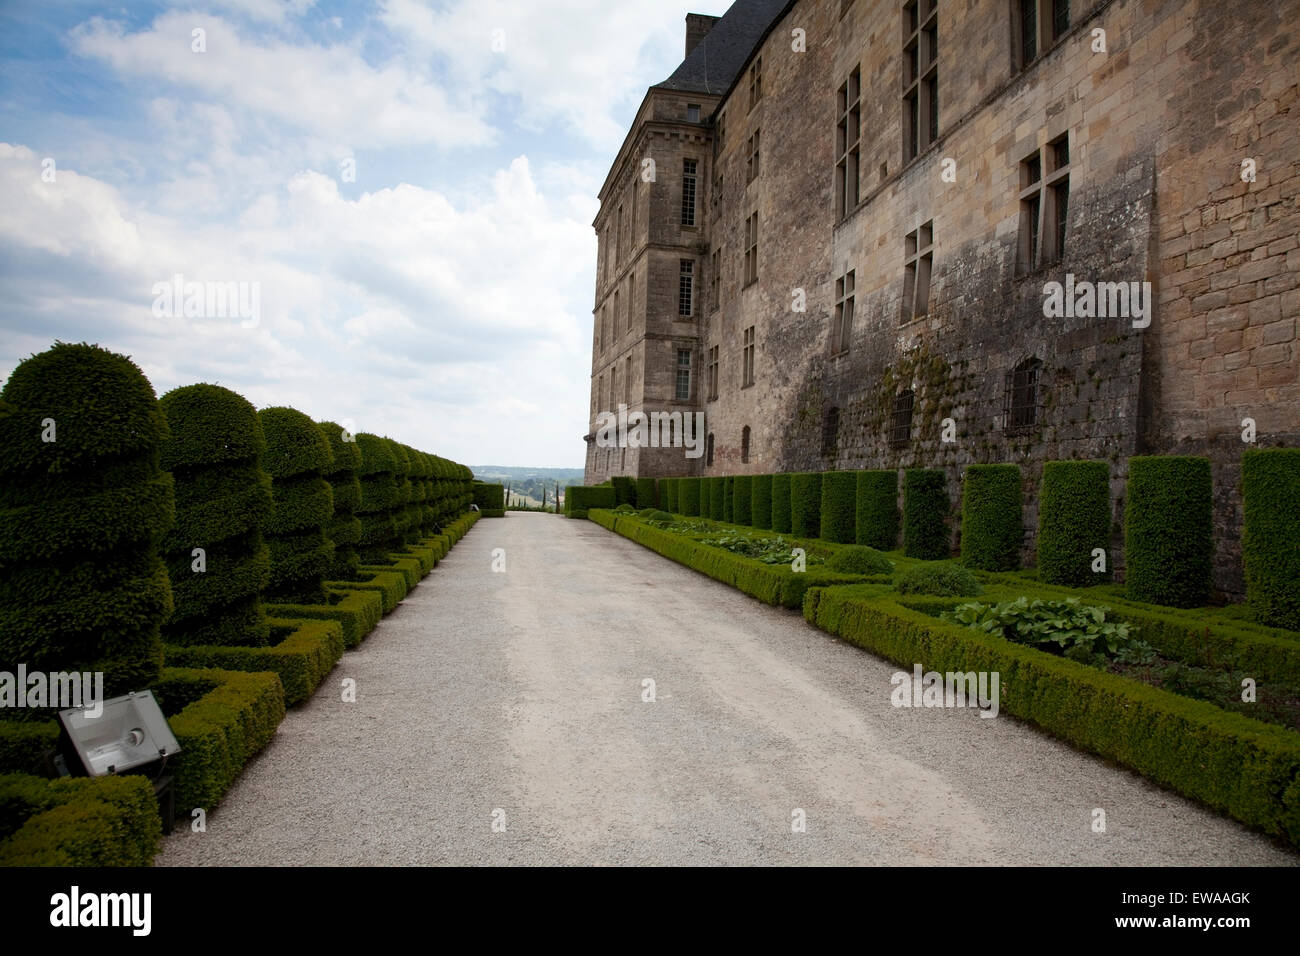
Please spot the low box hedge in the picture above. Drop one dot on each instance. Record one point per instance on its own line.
(355, 611)
(301, 660)
(1245, 768)
(408, 567)
(78, 821)
(231, 716)
(391, 586)
(774, 584)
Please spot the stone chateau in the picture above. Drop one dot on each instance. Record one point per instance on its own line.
(928, 233)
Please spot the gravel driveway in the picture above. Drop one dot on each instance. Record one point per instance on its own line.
(522, 692)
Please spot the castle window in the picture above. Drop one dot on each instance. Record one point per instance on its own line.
(918, 250)
(1044, 204)
(713, 373)
(618, 243)
(688, 192)
(751, 249)
(900, 419)
(744, 445)
(1020, 400)
(686, 288)
(755, 82)
(708, 455)
(627, 383)
(683, 375)
(717, 278)
(1037, 24)
(692, 113)
(848, 135)
(843, 324)
(617, 310)
(830, 431)
(751, 169)
(747, 359)
(920, 76)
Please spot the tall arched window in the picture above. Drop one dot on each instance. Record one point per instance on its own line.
(708, 455)
(744, 445)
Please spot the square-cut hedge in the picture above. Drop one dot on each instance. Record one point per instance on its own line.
(355, 611)
(925, 514)
(688, 494)
(668, 488)
(1270, 545)
(1168, 527)
(624, 490)
(301, 660)
(717, 497)
(78, 821)
(489, 497)
(781, 514)
(741, 486)
(647, 495)
(409, 567)
(728, 498)
(231, 716)
(1073, 521)
(422, 553)
(760, 501)
(877, 509)
(992, 526)
(391, 586)
(579, 499)
(839, 506)
(806, 504)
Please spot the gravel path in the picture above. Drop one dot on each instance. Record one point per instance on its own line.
(522, 692)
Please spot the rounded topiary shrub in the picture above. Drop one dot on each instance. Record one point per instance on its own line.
(860, 559)
(297, 456)
(781, 503)
(925, 514)
(991, 524)
(740, 499)
(1270, 546)
(344, 529)
(688, 493)
(806, 504)
(83, 508)
(646, 494)
(877, 509)
(760, 501)
(657, 515)
(839, 508)
(223, 498)
(1073, 521)
(717, 501)
(380, 495)
(1168, 527)
(941, 579)
(624, 509)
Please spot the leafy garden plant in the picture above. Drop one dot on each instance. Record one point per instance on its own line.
(1070, 628)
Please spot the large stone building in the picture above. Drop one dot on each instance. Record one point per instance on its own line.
(835, 227)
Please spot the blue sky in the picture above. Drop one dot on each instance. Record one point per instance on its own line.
(442, 295)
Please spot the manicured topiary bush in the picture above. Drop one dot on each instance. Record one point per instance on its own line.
(1073, 520)
(728, 497)
(83, 507)
(624, 490)
(1168, 524)
(380, 494)
(925, 513)
(877, 509)
(624, 509)
(489, 497)
(741, 488)
(78, 821)
(579, 499)
(806, 504)
(656, 515)
(760, 501)
(688, 494)
(297, 455)
(991, 524)
(1270, 491)
(941, 579)
(839, 507)
(860, 559)
(668, 488)
(223, 498)
(344, 528)
(717, 501)
(646, 494)
(781, 514)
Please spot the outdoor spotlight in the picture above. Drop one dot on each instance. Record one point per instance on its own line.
(130, 733)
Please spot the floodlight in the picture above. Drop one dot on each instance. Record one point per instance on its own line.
(130, 733)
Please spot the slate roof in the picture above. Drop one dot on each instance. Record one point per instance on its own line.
(714, 64)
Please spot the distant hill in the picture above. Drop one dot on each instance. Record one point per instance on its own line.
(502, 472)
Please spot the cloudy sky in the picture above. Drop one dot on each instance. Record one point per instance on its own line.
(406, 186)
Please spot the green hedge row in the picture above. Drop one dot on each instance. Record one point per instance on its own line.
(647, 495)
(356, 611)
(1073, 521)
(839, 507)
(877, 509)
(741, 504)
(1242, 767)
(760, 501)
(806, 504)
(624, 490)
(1168, 528)
(1270, 545)
(489, 497)
(992, 528)
(579, 499)
(781, 514)
(925, 514)
(78, 821)
(689, 493)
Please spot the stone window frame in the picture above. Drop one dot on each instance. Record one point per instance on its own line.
(599, 395)
(1022, 397)
(1045, 32)
(918, 270)
(708, 455)
(686, 368)
(1044, 206)
(751, 249)
(900, 418)
(848, 144)
(842, 323)
(751, 161)
(690, 190)
(692, 117)
(755, 83)
(920, 76)
(749, 350)
(631, 292)
(627, 382)
(716, 279)
(712, 372)
(745, 435)
(685, 288)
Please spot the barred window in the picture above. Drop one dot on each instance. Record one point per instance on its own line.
(688, 192)
(1020, 401)
(683, 375)
(686, 288)
(900, 421)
